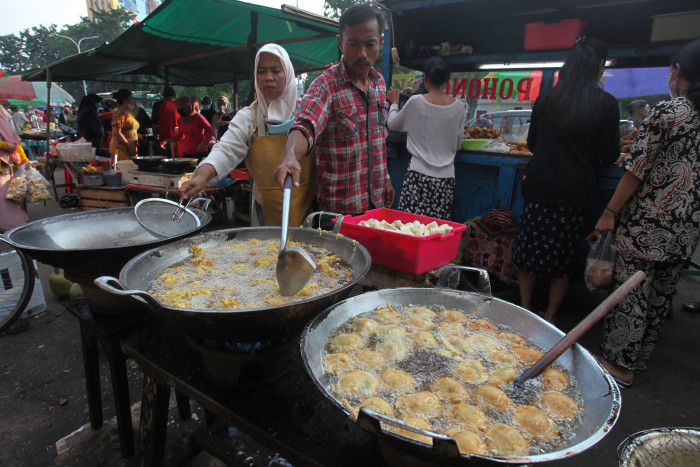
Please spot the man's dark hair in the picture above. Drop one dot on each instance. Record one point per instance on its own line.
(169, 92)
(360, 13)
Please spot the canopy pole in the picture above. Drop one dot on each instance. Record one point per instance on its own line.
(236, 78)
(48, 112)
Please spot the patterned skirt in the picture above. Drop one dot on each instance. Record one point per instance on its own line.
(427, 196)
(549, 239)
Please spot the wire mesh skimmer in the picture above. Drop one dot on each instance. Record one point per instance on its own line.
(661, 447)
(165, 218)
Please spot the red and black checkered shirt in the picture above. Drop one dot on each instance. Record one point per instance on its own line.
(348, 130)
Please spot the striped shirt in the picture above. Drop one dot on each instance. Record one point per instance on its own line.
(347, 128)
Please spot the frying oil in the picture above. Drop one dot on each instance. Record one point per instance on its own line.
(426, 365)
(242, 275)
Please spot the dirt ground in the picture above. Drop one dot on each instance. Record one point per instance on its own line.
(43, 399)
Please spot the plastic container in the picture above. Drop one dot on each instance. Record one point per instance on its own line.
(76, 152)
(402, 252)
(472, 144)
(93, 179)
(113, 177)
(561, 35)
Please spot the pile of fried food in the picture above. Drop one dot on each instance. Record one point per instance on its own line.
(519, 148)
(626, 142)
(414, 228)
(480, 133)
(446, 371)
(92, 170)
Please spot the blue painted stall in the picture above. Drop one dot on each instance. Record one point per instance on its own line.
(486, 181)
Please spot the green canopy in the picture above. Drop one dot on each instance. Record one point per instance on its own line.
(202, 42)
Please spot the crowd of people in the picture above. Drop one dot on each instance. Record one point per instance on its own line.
(332, 143)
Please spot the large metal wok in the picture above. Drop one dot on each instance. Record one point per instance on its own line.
(244, 325)
(91, 242)
(601, 396)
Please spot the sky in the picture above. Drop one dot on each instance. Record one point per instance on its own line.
(25, 14)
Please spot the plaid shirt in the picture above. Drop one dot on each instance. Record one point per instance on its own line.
(349, 133)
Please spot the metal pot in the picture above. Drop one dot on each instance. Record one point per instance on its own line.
(601, 396)
(179, 166)
(148, 163)
(245, 325)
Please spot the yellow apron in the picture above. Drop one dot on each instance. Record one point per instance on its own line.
(264, 155)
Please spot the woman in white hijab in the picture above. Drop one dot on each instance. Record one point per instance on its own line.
(258, 134)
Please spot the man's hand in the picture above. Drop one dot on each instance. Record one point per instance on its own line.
(389, 194)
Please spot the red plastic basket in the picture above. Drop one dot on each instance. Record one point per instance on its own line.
(402, 252)
(240, 174)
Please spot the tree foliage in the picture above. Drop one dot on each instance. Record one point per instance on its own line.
(334, 8)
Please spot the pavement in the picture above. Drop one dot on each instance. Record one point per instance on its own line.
(44, 407)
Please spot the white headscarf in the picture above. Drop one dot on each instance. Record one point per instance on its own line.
(282, 108)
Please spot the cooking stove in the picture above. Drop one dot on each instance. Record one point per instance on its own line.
(244, 365)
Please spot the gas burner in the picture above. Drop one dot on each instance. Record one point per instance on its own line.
(244, 365)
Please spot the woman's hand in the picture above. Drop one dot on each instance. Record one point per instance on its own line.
(392, 95)
(606, 223)
(165, 143)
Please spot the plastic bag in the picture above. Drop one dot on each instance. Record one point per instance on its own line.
(38, 186)
(600, 262)
(496, 145)
(17, 189)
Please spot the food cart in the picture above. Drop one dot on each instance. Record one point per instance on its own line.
(520, 36)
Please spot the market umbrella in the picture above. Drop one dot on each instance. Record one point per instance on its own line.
(31, 93)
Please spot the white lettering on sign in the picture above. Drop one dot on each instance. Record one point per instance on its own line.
(489, 88)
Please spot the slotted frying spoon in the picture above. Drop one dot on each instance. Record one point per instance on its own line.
(294, 266)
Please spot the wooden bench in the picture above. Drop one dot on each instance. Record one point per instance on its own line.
(101, 197)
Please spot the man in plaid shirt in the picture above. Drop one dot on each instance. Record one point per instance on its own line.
(343, 115)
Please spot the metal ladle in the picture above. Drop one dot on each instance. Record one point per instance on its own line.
(294, 266)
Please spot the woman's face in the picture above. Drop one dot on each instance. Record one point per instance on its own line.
(270, 76)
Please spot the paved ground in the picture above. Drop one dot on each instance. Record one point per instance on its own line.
(43, 401)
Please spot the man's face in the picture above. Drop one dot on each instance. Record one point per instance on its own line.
(360, 44)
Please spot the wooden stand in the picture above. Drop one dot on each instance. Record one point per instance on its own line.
(101, 197)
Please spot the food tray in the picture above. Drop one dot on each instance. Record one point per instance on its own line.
(402, 252)
(75, 152)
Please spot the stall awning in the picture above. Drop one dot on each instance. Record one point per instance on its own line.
(202, 42)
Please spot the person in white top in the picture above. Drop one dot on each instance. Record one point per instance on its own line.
(435, 124)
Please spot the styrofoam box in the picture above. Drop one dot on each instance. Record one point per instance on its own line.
(76, 152)
(675, 26)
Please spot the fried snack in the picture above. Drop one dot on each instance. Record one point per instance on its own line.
(453, 316)
(370, 359)
(92, 170)
(450, 329)
(470, 417)
(492, 398)
(398, 381)
(378, 405)
(358, 384)
(365, 326)
(345, 343)
(17, 189)
(481, 133)
(389, 331)
(424, 405)
(534, 424)
(527, 355)
(449, 390)
(470, 372)
(559, 406)
(482, 325)
(423, 340)
(510, 339)
(387, 315)
(504, 440)
(394, 350)
(468, 442)
(338, 363)
(501, 376)
(519, 148)
(554, 379)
